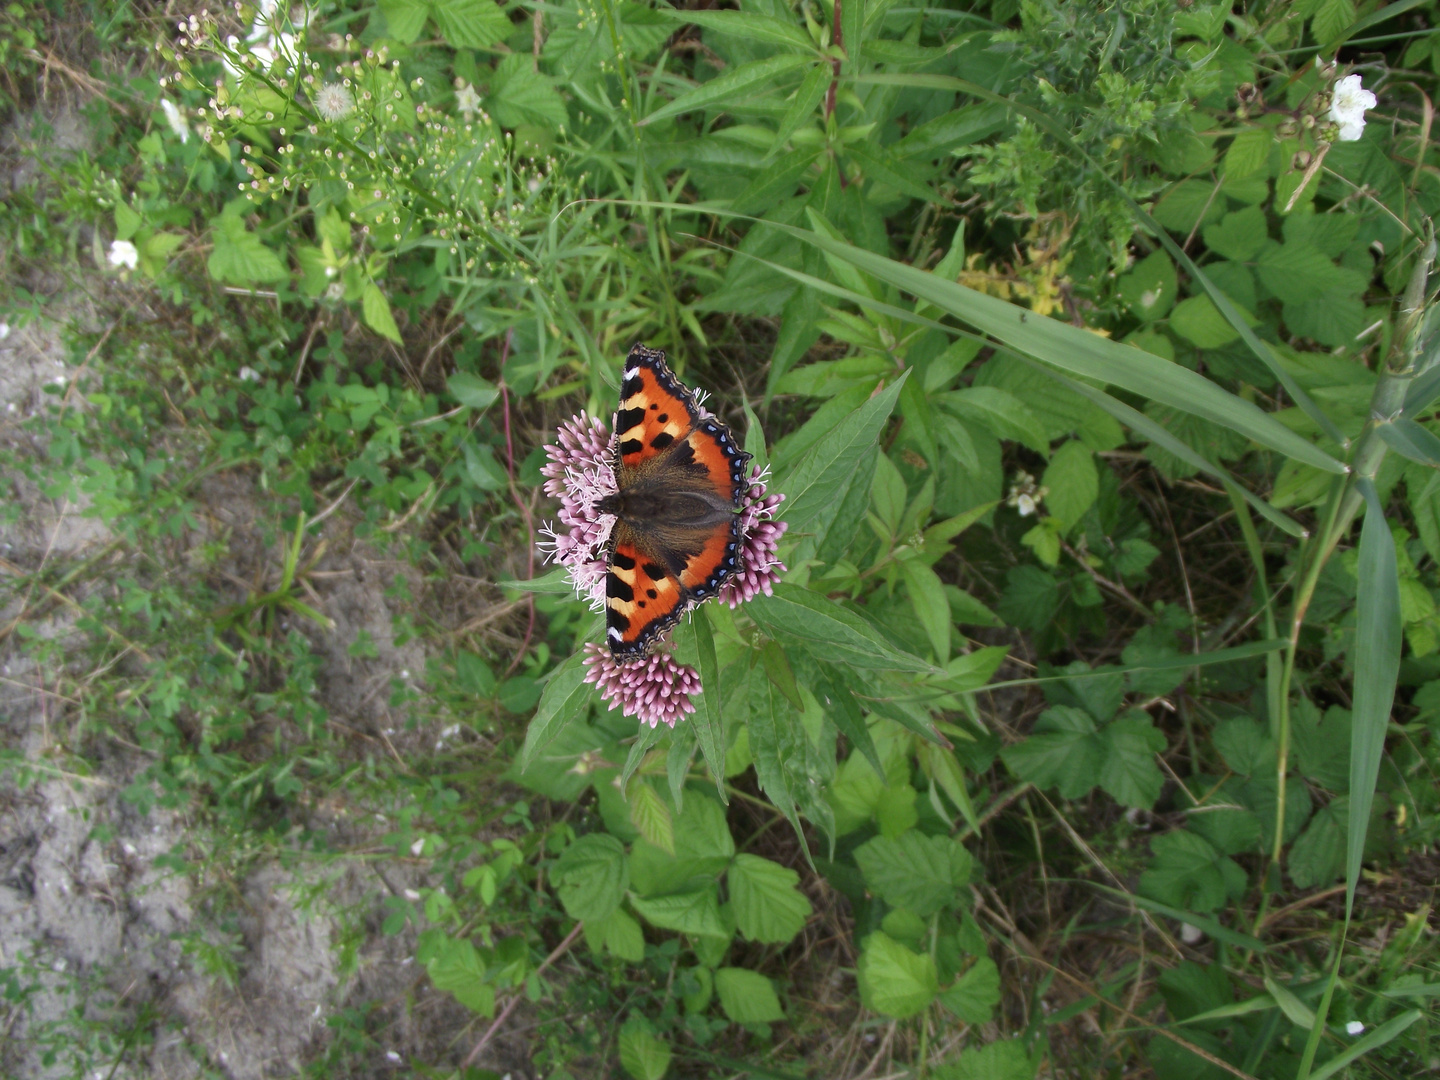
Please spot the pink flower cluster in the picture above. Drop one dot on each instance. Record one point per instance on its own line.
(580, 472)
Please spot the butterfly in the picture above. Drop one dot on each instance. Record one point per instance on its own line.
(681, 481)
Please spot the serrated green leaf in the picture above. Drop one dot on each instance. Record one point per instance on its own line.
(975, 994)
(1317, 857)
(521, 95)
(472, 390)
(747, 997)
(1248, 153)
(1151, 287)
(460, 971)
(1074, 483)
(471, 24)
(618, 934)
(1002, 412)
(566, 698)
(696, 912)
(1298, 271)
(768, 906)
(828, 630)
(1188, 873)
(1128, 770)
(404, 19)
(240, 257)
(1239, 235)
(377, 312)
(1199, 321)
(650, 815)
(923, 874)
(747, 25)
(591, 876)
(1002, 1060)
(894, 980)
(642, 1055)
(1064, 750)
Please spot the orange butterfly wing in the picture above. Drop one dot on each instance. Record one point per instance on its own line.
(681, 478)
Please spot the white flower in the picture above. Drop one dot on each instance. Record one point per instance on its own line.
(1191, 935)
(333, 102)
(418, 846)
(4, 330)
(411, 895)
(1025, 504)
(176, 119)
(392, 1055)
(1354, 1027)
(123, 253)
(248, 374)
(467, 100)
(1347, 107)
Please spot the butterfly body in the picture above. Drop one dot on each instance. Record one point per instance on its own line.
(681, 480)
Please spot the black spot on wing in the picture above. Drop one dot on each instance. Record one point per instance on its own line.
(631, 446)
(651, 593)
(616, 588)
(663, 418)
(631, 386)
(626, 419)
(662, 440)
(655, 571)
(623, 561)
(616, 620)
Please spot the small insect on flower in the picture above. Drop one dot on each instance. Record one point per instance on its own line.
(658, 517)
(333, 102)
(1348, 103)
(123, 253)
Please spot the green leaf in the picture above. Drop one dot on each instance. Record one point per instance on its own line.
(747, 25)
(591, 876)
(882, 168)
(1330, 21)
(775, 182)
(893, 980)
(619, 934)
(1002, 412)
(1063, 750)
(932, 607)
(404, 19)
(1074, 483)
(520, 95)
(828, 630)
(815, 486)
(127, 221)
(807, 99)
(962, 127)
(377, 312)
(696, 913)
(1128, 770)
(472, 390)
(1240, 235)
(1379, 1037)
(1081, 352)
(1003, 1060)
(1297, 271)
(768, 907)
(974, 996)
(920, 873)
(650, 815)
(1199, 322)
(1150, 289)
(1318, 855)
(747, 997)
(642, 1055)
(1248, 153)
(736, 83)
(1410, 440)
(1188, 873)
(566, 698)
(471, 24)
(707, 721)
(1377, 665)
(460, 971)
(240, 257)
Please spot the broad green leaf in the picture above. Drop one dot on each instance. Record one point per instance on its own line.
(894, 980)
(828, 630)
(650, 815)
(932, 608)
(1074, 483)
(707, 722)
(920, 873)
(591, 876)
(377, 312)
(521, 95)
(619, 934)
(1002, 412)
(1151, 287)
(1199, 322)
(566, 698)
(975, 994)
(460, 971)
(1002, 1060)
(1240, 235)
(775, 182)
(747, 25)
(642, 1055)
(1330, 21)
(768, 906)
(1296, 272)
(472, 390)
(817, 483)
(471, 24)
(1317, 857)
(404, 19)
(1063, 750)
(1377, 665)
(239, 256)
(696, 913)
(1128, 770)
(1188, 873)
(1248, 153)
(882, 168)
(807, 100)
(733, 84)
(1081, 352)
(965, 126)
(747, 997)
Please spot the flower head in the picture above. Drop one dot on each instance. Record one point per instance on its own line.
(1025, 495)
(123, 253)
(654, 689)
(176, 119)
(580, 472)
(1348, 103)
(333, 102)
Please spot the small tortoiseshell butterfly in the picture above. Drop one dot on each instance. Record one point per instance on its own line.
(681, 480)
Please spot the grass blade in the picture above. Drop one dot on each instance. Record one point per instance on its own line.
(1377, 1038)
(737, 81)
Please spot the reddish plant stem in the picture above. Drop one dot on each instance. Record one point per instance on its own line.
(520, 503)
(558, 952)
